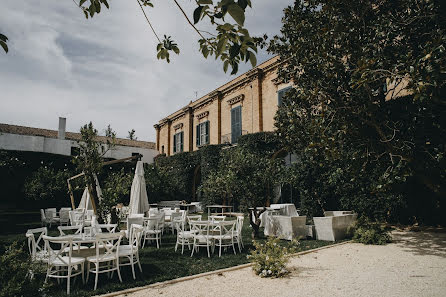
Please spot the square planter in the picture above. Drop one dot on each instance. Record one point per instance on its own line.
(332, 228)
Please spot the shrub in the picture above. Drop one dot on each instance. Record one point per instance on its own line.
(367, 232)
(270, 258)
(19, 276)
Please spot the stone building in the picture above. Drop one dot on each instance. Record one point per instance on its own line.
(246, 104)
(60, 142)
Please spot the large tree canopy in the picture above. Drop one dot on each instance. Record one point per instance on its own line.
(360, 144)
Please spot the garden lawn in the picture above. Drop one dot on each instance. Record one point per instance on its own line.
(158, 264)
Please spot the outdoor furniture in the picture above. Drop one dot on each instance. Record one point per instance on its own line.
(64, 216)
(50, 214)
(43, 219)
(168, 204)
(285, 209)
(238, 232)
(201, 237)
(184, 237)
(61, 263)
(152, 231)
(72, 230)
(106, 258)
(216, 218)
(77, 217)
(130, 251)
(193, 218)
(130, 222)
(225, 236)
(333, 228)
(175, 216)
(222, 207)
(285, 227)
(139, 202)
(36, 244)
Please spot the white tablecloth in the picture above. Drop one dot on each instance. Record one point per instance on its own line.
(285, 209)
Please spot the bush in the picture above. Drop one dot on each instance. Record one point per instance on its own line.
(367, 232)
(19, 276)
(270, 258)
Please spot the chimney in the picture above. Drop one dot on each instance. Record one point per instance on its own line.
(62, 126)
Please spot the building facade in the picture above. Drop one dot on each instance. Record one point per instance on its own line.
(247, 104)
(60, 142)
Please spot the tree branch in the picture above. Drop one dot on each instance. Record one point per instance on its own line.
(150, 24)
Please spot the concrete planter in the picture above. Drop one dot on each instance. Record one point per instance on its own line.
(286, 227)
(332, 228)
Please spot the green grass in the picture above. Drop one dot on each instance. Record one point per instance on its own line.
(157, 264)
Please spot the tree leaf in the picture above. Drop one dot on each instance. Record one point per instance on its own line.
(4, 46)
(203, 2)
(221, 45)
(252, 59)
(237, 13)
(3, 37)
(197, 14)
(82, 2)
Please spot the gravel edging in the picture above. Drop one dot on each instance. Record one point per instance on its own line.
(219, 271)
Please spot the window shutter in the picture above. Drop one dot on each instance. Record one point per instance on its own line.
(181, 141)
(207, 132)
(175, 143)
(197, 130)
(236, 123)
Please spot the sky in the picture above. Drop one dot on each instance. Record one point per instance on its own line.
(105, 69)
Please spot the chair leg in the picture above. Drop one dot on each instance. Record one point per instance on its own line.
(83, 277)
(68, 280)
(96, 276)
(119, 271)
(182, 247)
(133, 266)
(219, 251)
(88, 271)
(139, 263)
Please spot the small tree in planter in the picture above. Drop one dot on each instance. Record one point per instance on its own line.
(90, 159)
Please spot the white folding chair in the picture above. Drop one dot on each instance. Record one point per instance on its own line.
(201, 236)
(131, 250)
(238, 232)
(152, 231)
(184, 237)
(108, 260)
(62, 264)
(43, 219)
(36, 244)
(225, 236)
(133, 221)
(72, 230)
(175, 216)
(64, 216)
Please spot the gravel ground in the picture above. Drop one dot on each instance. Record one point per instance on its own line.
(413, 265)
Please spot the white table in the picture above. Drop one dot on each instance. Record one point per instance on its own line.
(285, 209)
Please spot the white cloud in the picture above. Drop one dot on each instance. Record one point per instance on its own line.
(105, 69)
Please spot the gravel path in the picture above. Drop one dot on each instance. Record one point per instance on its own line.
(414, 265)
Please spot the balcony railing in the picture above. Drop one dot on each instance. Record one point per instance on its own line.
(229, 138)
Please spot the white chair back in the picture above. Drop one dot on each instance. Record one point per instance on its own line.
(64, 245)
(107, 245)
(69, 230)
(217, 218)
(36, 245)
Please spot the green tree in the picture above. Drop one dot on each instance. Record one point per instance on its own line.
(132, 135)
(358, 141)
(92, 150)
(246, 176)
(47, 185)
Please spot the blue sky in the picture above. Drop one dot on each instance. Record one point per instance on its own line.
(105, 69)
